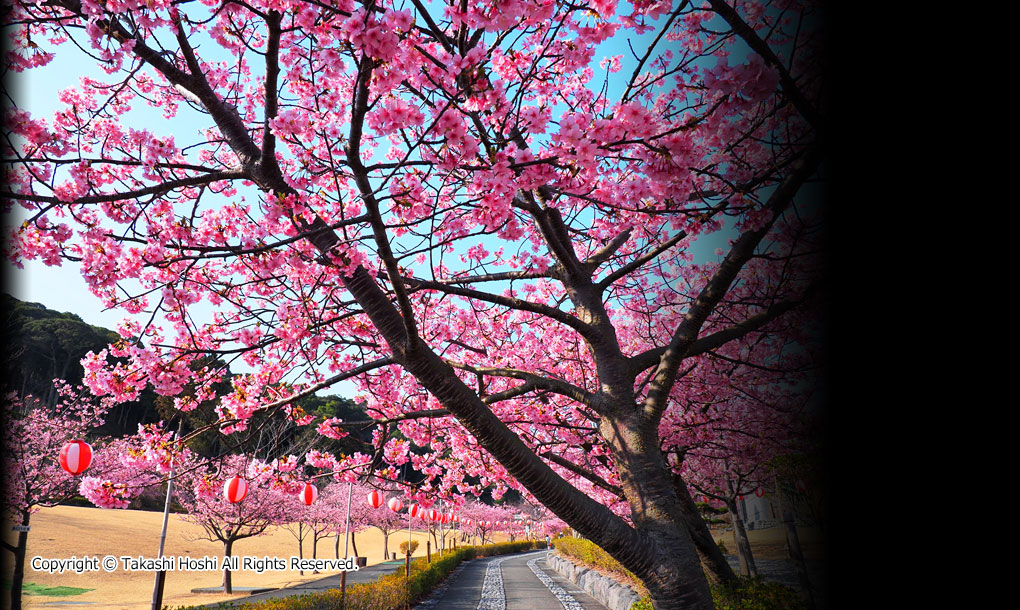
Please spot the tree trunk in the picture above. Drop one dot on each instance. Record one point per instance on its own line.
(663, 555)
(793, 544)
(18, 578)
(228, 545)
(354, 543)
(336, 547)
(300, 544)
(718, 569)
(658, 549)
(744, 554)
(315, 545)
(386, 545)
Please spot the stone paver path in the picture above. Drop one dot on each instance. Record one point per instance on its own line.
(509, 582)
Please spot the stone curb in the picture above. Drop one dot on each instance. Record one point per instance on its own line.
(611, 593)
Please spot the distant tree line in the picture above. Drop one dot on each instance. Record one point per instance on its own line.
(42, 345)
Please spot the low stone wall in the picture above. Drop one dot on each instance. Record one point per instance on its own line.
(613, 594)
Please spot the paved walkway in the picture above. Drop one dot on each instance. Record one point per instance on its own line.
(508, 582)
(522, 581)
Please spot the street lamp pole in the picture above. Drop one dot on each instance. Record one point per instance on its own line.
(157, 587)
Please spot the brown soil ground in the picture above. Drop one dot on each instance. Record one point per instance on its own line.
(63, 531)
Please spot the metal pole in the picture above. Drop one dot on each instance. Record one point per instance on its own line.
(347, 540)
(157, 587)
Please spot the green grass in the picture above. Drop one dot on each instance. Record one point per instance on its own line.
(33, 589)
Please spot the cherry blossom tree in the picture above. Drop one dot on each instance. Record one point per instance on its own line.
(33, 435)
(266, 503)
(485, 519)
(732, 428)
(335, 495)
(316, 520)
(344, 492)
(735, 483)
(387, 521)
(490, 216)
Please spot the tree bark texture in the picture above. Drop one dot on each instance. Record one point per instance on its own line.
(18, 577)
(228, 546)
(744, 554)
(716, 566)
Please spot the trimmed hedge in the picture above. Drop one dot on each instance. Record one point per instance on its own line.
(389, 592)
(592, 555)
(746, 594)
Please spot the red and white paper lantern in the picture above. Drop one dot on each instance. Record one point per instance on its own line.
(235, 489)
(395, 504)
(75, 456)
(414, 510)
(309, 494)
(759, 492)
(375, 499)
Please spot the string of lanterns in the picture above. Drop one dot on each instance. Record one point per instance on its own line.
(76, 456)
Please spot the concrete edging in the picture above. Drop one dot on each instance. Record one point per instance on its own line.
(608, 591)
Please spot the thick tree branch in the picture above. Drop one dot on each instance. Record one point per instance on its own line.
(687, 331)
(535, 382)
(511, 302)
(603, 254)
(494, 277)
(358, 111)
(640, 261)
(430, 414)
(759, 46)
(156, 189)
(271, 84)
(652, 357)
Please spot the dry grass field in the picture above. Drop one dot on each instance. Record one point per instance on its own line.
(63, 531)
(771, 543)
